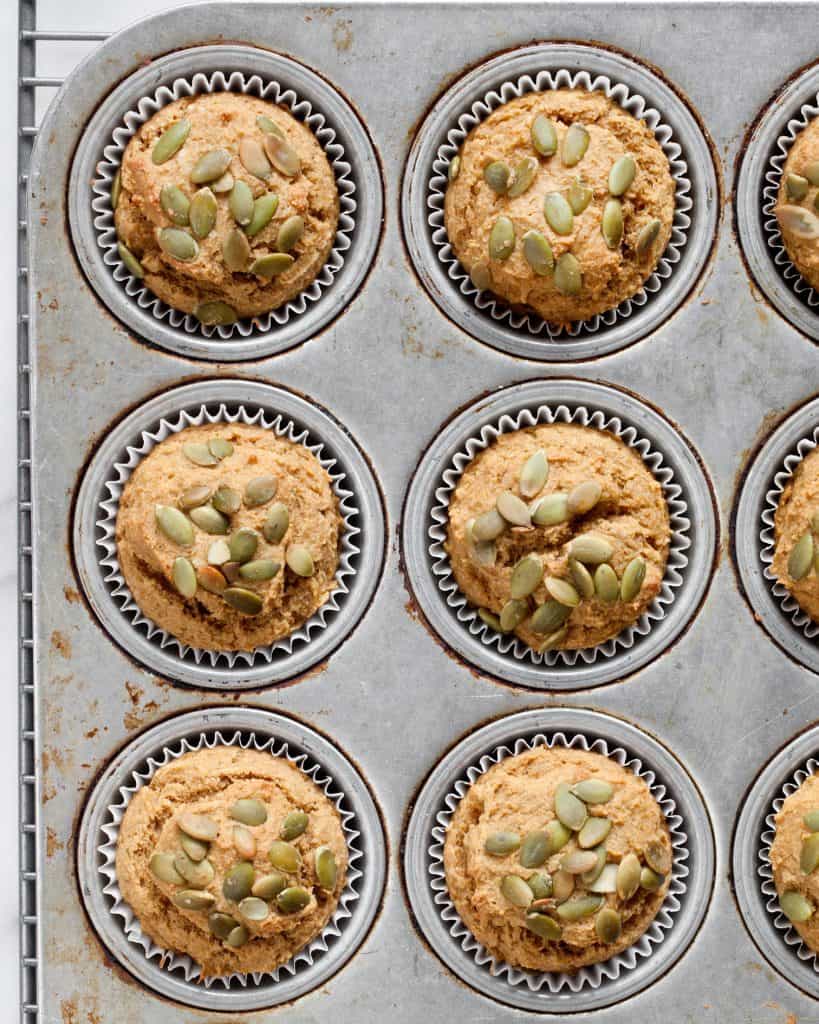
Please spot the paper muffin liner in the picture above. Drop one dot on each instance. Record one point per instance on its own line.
(798, 120)
(200, 84)
(182, 963)
(679, 523)
(595, 974)
(544, 81)
(106, 524)
(767, 535)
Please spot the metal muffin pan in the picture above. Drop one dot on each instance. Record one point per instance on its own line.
(391, 367)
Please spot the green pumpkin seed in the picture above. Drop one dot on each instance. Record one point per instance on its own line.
(210, 166)
(488, 526)
(162, 867)
(193, 899)
(522, 177)
(534, 849)
(593, 791)
(526, 576)
(292, 900)
(194, 849)
(260, 569)
(558, 213)
(650, 880)
(568, 275)
(811, 172)
(796, 187)
(212, 580)
(244, 601)
(253, 909)
(174, 525)
(326, 868)
(490, 619)
(570, 811)
(585, 906)
(216, 313)
(260, 490)
(502, 239)
(549, 617)
(801, 557)
(606, 584)
(242, 544)
(608, 925)
(541, 885)
(269, 886)
(195, 496)
(811, 821)
(241, 203)
(562, 591)
(562, 885)
(553, 640)
(184, 577)
(578, 862)
(612, 223)
(221, 925)
(799, 221)
(294, 824)
(628, 876)
(534, 474)
(129, 261)
(578, 196)
(658, 857)
(622, 175)
(558, 836)
(223, 184)
(284, 857)
(218, 553)
(263, 209)
(199, 454)
(544, 136)
(254, 161)
(496, 175)
(454, 168)
(551, 510)
(244, 843)
(116, 189)
(501, 844)
(593, 833)
(276, 524)
(198, 874)
(300, 560)
(249, 811)
(512, 614)
(203, 212)
(538, 253)
(590, 877)
(795, 907)
(575, 144)
(269, 126)
(170, 141)
(290, 233)
(271, 265)
(590, 549)
(543, 926)
(513, 509)
(178, 243)
(236, 251)
(648, 236)
(583, 580)
(516, 890)
(633, 578)
(175, 204)
(238, 937)
(208, 519)
(584, 497)
(481, 276)
(282, 155)
(221, 448)
(226, 500)
(606, 881)
(238, 882)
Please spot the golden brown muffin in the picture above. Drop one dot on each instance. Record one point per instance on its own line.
(234, 551)
(157, 210)
(580, 550)
(202, 815)
(796, 527)
(795, 858)
(578, 272)
(508, 827)
(796, 204)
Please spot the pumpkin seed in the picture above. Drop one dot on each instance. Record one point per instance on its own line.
(590, 549)
(558, 213)
(593, 833)
(198, 826)
(253, 909)
(300, 560)
(268, 886)
(796, 187)
(290, 233)
(244, 843)
(562, 591)
(249, 811)
(116, 189)
(633, 578)
(260, 569)
(162, 867)
(236, 251)
(226, 500)
(212, 580)
(254, 160)
(481, 276)
(606, 881)
(276, 524)
(271, 265)
(260, 490)
(549, 617)
(593, 791)
(454, 168)
(198, 874)
(512, 614)
(199, 454)
(578, 862)
(648, 236)
(501, 239)
(175, 204)
(543, 926)
(170, 141)
(612, 223)
(129, 261)
(210, 166)
(590, 877)
(178, 243)
(650, 880)
(534, 849)
(522, 177)
(231, 571)
(811, 821)
(263, 209)
(513, 509)
(488, 526)
(541, 885)
(578, 196)
(242, 544)
(203, 212)
(193, 899)
(195, 496)
(538, 253)
(269, 126)
(282, 155)
(811, 172)
(534, 474)
(544, 136)
(221, 925)
(558, 836)
(294, 824)
(562, 885)
(240, 202)
(208, 519)
(575, 144)
(238, 882)
(244, 601)
(570, 811)
(526, 576)
(798, 221)
(628, 876)
(284, 857)
(585, 906)
(583, 579)
(195, 849)
(292, 900)
(175, 526)
(801, 557)
(490, 619)
(496, 175)
(223, 184)
(658, 857)
(622, 175)
(553, 640)
(606, 584)
(215, 313)
(608, 925)
(238, 937)
(551, 510)
(584, 497)
(516, 890)
(326, 868)
(795, 907)
(568, 275)
(501, 844)
(218, 553)
(184, 577)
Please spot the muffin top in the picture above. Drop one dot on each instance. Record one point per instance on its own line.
(562, 202)
(228, 203)
(796, 533)
(796, 204)
(228, 536)
(795, 859)
(557, 858)
(559, 533)
(232, 856)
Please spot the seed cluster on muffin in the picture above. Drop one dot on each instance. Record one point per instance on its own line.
(797, 204)
(561, 202)
(557, 858)
(794, 859)
(560, 534)
(225, 205)
(796, 530)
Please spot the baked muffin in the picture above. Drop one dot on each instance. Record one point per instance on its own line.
(557, 858)
(796, 534)
(561, 202)
(232, 856)
(797, 203)
(226, 205)
(795, 859)
(228, 536)
(560, 534)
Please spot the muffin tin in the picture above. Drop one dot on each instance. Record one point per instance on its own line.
(393, 703)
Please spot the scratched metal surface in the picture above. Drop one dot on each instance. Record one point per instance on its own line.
(724, 698)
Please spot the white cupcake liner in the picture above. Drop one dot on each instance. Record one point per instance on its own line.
(595, 974)
(183, 964)
(767, 535)
(544, 81)
(199, 84)
(679, 521)
(106, 524)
